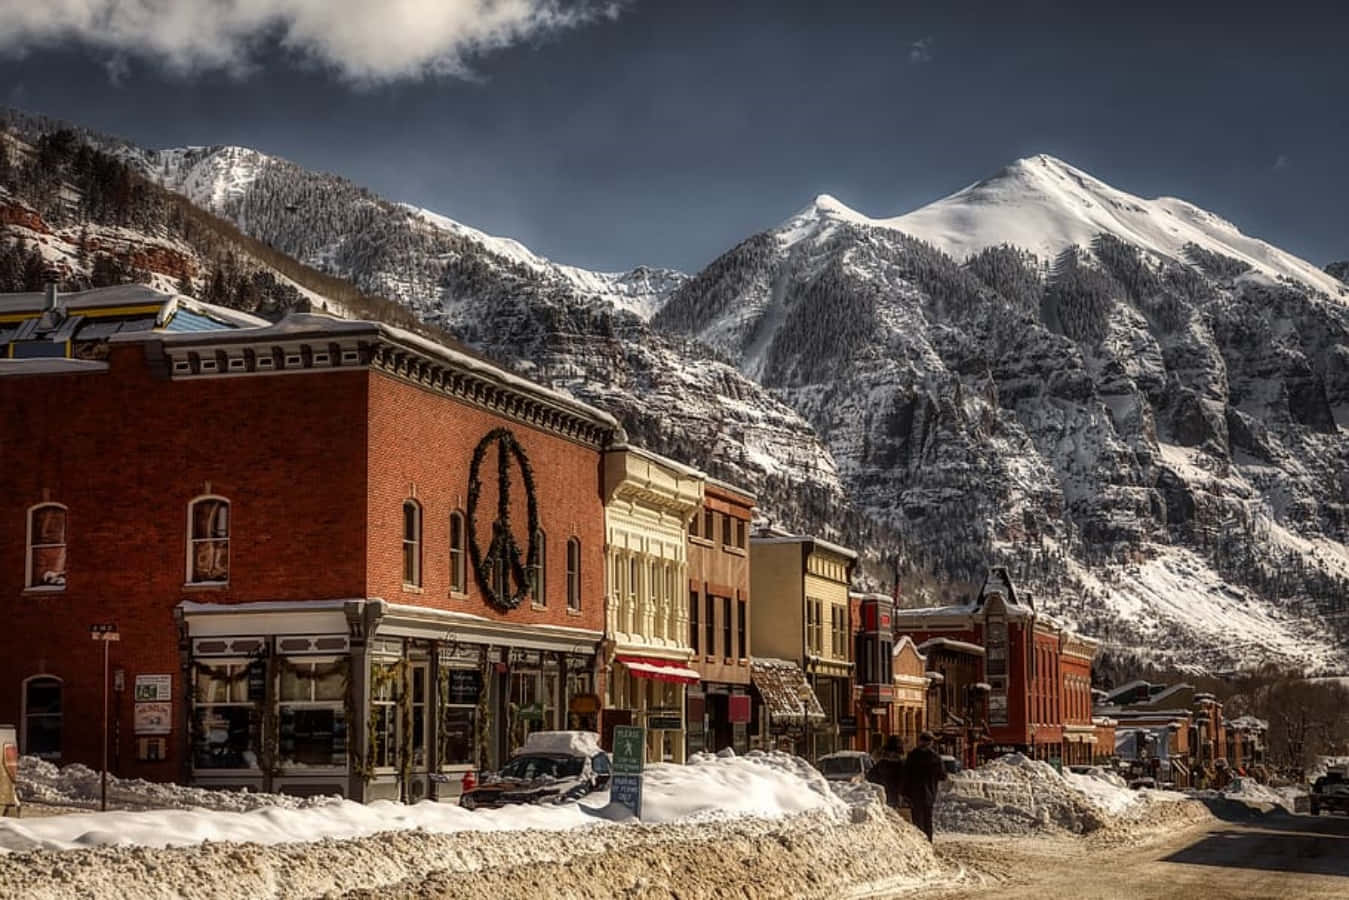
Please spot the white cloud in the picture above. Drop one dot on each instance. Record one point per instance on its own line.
(362, 40)
(920, 51)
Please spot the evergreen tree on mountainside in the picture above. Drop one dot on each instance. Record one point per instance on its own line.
(1340, 270)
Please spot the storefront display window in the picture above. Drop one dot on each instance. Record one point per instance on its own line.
(227, 715)
(533, 704)
(312, 716)
(385, 687)
(460, 693)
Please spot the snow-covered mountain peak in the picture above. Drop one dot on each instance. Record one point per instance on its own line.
(208, 176)
(1045, 205)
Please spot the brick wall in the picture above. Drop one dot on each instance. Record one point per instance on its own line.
(421, 447)
(126, 451)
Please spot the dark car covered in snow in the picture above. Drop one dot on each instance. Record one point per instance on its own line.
(552, 767)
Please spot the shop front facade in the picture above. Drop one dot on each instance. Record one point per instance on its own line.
(801, 586)
(718, 708)
(436, 599)
(648, 502)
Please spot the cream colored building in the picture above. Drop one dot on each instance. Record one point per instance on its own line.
(800, 589)
(648, 501)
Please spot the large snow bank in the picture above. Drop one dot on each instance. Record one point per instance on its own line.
(1254, 794)
(77, 785)
(762, 785)
(1017, 795)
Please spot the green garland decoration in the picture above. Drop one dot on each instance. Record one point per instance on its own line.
(483, 720)
(503, 545)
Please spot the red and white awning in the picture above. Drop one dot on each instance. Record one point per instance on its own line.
(659, 669)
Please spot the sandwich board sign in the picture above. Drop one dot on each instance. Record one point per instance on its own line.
(625, 785)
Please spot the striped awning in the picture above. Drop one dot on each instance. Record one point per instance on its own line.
(659, 669)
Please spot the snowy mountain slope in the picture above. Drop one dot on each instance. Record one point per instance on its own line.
(220, 179)
(1150, 439)
(575, 329)
(1045, 205)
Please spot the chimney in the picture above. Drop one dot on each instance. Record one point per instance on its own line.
(50, 276)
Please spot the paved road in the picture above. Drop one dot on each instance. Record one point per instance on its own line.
(1242, 857)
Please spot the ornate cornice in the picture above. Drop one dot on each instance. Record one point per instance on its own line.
(258, 352)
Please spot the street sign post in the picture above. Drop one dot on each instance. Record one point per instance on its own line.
(629, 757)
(107, 633)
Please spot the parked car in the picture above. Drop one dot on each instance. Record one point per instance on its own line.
(551, 767)
(846, 765)
(951, 764)
(9, 771)
(1139, 784)
(1330, 792)
(1080, 770)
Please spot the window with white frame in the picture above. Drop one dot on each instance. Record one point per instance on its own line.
(386, 687)
(312, 721)
(538, 574)
(574, 573)
(227, 723)
(46, 547)
(412, 543)
(208, 550)
(458, 556)
(42, 717)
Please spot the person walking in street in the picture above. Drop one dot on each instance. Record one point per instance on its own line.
(922, 771)
(888, 771)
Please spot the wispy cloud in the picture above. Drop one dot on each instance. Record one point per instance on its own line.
(1281, 162)
(920, 51)
(361, 41)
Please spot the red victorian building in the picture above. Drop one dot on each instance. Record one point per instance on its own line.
(1034, 690)
(340, 557)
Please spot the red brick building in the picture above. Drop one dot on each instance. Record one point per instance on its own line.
(1030, 666)
(340, 557)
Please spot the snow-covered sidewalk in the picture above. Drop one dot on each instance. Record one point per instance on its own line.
(762, 785)
(763, 825)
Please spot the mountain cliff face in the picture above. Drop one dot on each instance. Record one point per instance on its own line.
(1145, 423)
(1135, 406)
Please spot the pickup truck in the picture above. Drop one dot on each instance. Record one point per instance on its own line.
(1330, 792)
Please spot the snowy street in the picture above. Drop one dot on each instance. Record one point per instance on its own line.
(1278, 856)
(761, 826)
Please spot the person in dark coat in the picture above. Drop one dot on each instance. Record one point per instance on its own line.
(888, 771)
(923, 770)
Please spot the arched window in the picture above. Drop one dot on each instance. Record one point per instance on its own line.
(538, 579)
(412, 543)
(574, 573)
(458, 556)
(46, 557)
(41, 717)
(208, 540)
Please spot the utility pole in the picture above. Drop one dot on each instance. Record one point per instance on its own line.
(107, 633)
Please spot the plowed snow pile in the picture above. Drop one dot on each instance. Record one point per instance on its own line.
(1254, 794)
(762, 826)
(77, 785)
(1017, 795)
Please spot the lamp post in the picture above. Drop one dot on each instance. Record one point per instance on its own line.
(107, 633)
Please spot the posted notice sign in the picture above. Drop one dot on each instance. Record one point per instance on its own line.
(629, 756)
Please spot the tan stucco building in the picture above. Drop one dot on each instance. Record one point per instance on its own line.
(911, 691)
(648, 502)
(800, 587)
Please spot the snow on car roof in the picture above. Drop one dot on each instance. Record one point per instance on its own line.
(845, 754)
(565, 743)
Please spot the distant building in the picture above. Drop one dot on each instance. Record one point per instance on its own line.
(1032, 674)
(800, 588)
(910, 677)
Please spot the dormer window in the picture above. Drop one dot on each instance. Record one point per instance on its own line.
(46, 547)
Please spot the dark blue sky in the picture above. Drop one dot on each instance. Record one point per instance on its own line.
(672, 132)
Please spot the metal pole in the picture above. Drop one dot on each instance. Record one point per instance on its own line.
(103, 800)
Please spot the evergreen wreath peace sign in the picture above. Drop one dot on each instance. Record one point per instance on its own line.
(503, 553)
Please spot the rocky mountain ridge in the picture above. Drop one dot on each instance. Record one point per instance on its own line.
(1147, 431)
